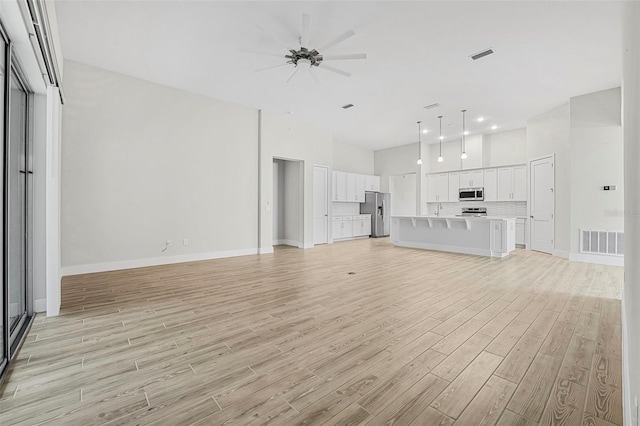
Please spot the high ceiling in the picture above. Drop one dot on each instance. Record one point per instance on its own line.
(418, 54)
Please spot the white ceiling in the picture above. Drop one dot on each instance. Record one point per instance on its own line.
(418, 54)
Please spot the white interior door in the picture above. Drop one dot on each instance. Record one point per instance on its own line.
(542, 204)
(320, 205)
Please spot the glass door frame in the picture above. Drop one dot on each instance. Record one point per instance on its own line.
(13, 340)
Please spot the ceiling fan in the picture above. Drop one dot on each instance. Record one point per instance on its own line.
(303, 56)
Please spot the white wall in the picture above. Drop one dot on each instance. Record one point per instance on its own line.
(403, 194)
(631, 295)
(399, 161)
(283, 137)
(354, 159)
(547, 134)
(144, 163)
(278, 201)
(505, 148)
(597, 159)
(292, 203)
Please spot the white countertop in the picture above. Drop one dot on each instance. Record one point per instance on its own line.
(456, 217)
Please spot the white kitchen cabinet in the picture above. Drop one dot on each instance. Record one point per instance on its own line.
(512, 183)
(438, 187)
(360, 188)
(454, 186)
(372, 183)
(339, 186)
(472, 179)
(490, 185)
(346, 227)
(520, 183)
(520, 236)
(351, 187)
(336, 227)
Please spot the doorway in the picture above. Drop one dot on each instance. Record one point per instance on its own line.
(287, 209)
(403, 194)
(320, 205)
(542, 227)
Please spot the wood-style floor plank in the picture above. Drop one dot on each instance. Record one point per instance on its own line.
(412, 337)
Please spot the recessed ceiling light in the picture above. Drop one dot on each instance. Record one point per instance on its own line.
(466, 132)
(425, 131)
(441, 137)
(347, 106)
(494, 127)
(480, 119)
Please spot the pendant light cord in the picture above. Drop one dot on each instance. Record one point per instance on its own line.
(440, 118)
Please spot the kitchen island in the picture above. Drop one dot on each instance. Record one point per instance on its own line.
(484, 236)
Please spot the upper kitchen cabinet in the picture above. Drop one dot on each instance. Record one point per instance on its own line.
(351, 187)
(438, 187)
(454, 186)
(490, 185)
(472, 179)
(372, 183)
(512, 183)
(360, 188)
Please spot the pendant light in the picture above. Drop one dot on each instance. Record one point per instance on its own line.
(419, 145)
(464, 148)
(440, 159)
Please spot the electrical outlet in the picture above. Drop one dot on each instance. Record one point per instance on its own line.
(185, 242)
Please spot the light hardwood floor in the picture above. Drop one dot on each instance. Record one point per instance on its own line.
(357, 332)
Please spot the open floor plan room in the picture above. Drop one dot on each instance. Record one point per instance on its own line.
(360, 332)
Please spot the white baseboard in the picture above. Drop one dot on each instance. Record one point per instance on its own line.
(452, 249)
(265, 250)
(561, 253)
(627, 403)
(141, 263)
(599, 259)
(40, 305)
(308, 245)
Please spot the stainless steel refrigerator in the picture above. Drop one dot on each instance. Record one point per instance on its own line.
(378, 205)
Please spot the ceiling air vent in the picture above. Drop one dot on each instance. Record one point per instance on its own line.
(347, 106)
(436, 105)
(482, 54)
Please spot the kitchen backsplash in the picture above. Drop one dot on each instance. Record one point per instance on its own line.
(494, 208)
(345, 209)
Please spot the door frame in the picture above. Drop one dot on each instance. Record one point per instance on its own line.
(529, 228)
(328, 204)
(301, 224)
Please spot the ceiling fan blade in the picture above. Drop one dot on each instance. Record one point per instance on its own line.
(345, 56)
(270, 68)
(312, 71)
(305, 30)
(342, 37)
(273, 38)
(295, 70)
(257, 52)
(334, 69)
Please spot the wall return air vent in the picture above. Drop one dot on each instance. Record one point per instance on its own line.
(602, 242)
(482, 54)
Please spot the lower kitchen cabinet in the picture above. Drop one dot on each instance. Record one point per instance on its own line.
(520, 235)
(348, 227)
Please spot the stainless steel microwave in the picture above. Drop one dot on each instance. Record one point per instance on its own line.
(471, 194)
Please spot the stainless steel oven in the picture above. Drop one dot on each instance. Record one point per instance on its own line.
(471, 194)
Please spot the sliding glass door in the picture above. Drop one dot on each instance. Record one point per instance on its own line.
(17, 186)
(16, 212)
(4, 332)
